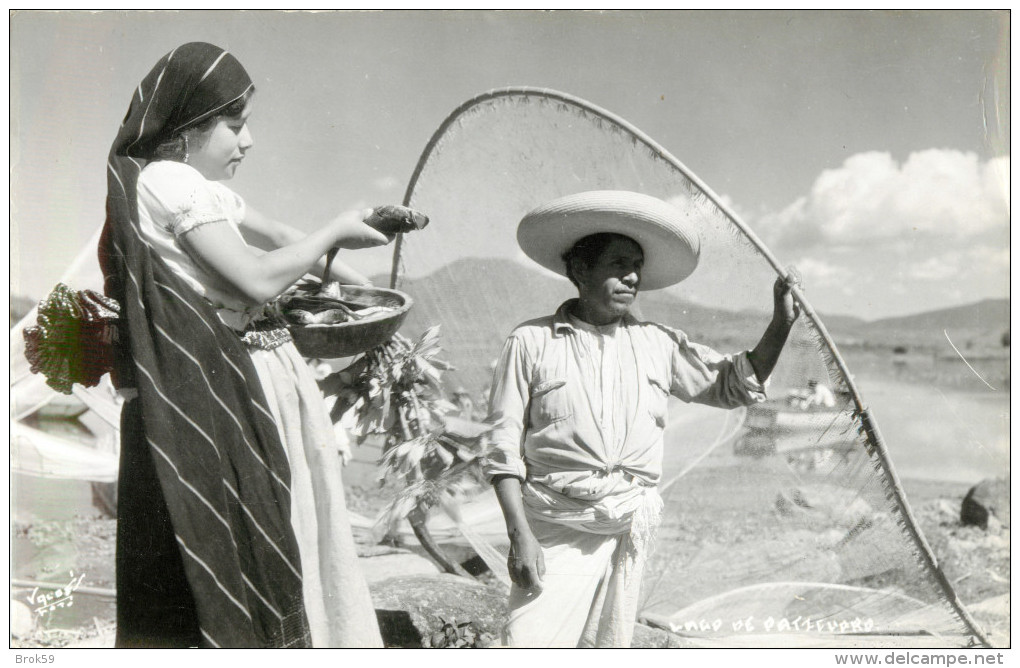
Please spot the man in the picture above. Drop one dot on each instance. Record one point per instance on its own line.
(816, 394)
(580, 401)
(819, 395)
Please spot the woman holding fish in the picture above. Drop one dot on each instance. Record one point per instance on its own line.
(232, 526)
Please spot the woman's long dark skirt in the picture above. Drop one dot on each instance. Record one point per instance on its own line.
(155, 607)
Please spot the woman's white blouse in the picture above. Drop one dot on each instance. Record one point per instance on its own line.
(173, 199)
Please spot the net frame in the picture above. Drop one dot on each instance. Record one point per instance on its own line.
(865, 423)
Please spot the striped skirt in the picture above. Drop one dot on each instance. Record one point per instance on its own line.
(155, 607)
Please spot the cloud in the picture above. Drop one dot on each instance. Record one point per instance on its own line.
(927, 233)
(942, 194)
(818, 272)
(935, 269)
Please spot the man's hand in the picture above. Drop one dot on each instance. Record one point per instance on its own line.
(526, 562)
(785, 310)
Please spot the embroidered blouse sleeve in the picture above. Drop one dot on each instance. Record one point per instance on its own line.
(702, 375)
(508, 406)
(184, 197)
(232, 203)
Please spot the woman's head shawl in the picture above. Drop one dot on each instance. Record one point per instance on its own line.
(222, 468)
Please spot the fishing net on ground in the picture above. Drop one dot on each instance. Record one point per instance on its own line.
(783, 523)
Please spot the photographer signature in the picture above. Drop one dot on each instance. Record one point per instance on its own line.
(62, 597)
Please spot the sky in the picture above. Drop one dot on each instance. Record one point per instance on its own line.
(871, 149)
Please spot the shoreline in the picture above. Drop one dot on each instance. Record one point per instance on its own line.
(93, 554)
(56, 519)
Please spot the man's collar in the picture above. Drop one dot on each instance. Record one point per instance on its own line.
(561, 320)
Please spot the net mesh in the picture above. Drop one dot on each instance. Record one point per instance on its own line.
(779, 519)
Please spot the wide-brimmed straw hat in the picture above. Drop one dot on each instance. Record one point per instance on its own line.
(668, 238)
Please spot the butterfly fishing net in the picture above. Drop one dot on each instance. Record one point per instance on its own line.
(784, 520)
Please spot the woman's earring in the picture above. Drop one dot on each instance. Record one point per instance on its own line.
(186, 154)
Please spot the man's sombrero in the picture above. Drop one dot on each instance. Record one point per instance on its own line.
(669, 240)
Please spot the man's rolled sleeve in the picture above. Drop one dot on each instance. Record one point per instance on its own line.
(702, 375)
(508, 405)
(756, 390)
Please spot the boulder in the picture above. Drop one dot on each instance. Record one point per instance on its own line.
(988, 498)
(997, 606)
(22, 620)
(647, 637)
(412, 610)
(946, 510)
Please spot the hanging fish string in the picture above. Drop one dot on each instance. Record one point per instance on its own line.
(395, 391)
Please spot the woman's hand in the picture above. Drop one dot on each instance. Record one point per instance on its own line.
(786, 310)
(526, 562)
(350, 231)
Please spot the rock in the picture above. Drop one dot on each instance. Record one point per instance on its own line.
(411, 609)
(394, 564)
(105, 640)
(961, 546)
(997, 605)
(646, 637)
(946, 511)
(993, 616)
(988, 497)
(22, 622)
(996, 543)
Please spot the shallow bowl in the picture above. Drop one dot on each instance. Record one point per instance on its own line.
(354, 336)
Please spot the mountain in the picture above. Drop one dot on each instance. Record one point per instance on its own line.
(481, 300)
(981, 325)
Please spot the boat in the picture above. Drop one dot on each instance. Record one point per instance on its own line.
(806, 437)
(62, 406)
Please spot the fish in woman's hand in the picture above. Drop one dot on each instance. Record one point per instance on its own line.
(394, 219)
(389, 219)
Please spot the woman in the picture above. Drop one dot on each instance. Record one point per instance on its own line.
(232, 528)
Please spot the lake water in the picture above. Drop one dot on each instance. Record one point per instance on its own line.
(939, 434)
(931, 433)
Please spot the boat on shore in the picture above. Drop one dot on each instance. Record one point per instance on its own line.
(805, 436)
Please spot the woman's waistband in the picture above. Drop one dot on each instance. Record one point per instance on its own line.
(265, 334)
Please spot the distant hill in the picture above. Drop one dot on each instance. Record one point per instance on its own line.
(481, 300)
(979, 325)
(468, 293)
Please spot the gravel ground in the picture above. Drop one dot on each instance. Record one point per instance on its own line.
(975, 560)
